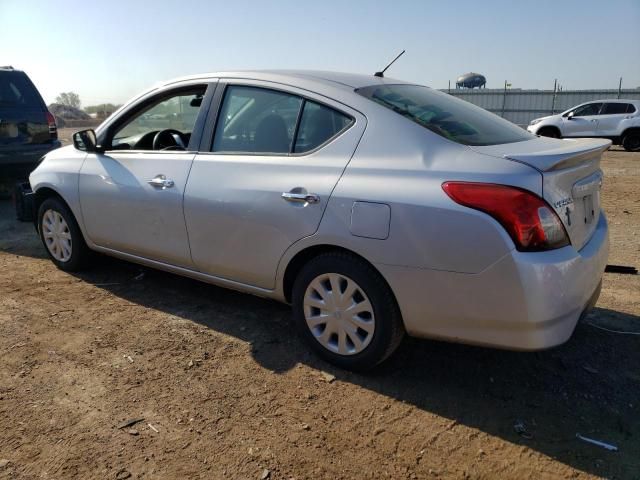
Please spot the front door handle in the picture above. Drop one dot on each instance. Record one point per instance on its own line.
(162, 182)
(301, 197)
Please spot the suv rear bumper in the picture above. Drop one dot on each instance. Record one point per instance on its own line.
(525, 301)
(21, 159)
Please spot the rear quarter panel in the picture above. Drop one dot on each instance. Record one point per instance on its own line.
(403, 165)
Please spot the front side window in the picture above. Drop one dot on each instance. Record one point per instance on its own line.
(587, 110)
(165, 124)
(447, 116)
(256, 120)
(615, 108)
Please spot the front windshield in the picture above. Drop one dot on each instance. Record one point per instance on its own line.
(445, 115)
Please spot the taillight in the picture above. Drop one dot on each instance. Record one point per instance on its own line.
(53, 128)
(528, 219)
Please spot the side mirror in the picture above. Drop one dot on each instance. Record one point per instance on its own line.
(570, 116)
(85, 140)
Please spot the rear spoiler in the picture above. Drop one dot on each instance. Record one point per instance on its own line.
(573, 153)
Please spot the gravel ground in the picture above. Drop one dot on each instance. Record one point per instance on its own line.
(226, 391)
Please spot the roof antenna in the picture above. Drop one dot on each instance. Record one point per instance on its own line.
(381, 74)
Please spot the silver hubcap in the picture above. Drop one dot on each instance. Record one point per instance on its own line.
(56, 235)
(339, 314)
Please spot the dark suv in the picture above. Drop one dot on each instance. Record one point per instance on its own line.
(27, 129)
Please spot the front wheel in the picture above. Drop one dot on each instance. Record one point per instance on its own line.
(549, 132)
(346, 312)
(61, 236)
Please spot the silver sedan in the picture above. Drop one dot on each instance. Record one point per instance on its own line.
(373, 206)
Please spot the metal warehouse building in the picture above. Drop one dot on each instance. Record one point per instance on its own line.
(522, 106)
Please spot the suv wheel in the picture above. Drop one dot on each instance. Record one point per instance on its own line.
(631, 141)
(61, 236)
(549, 132)
(346, 312)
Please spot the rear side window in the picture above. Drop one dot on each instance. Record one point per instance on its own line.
(447, 116)
(256, 120)
(616, 108)
(260, 120)
(16, 90)
(317, 125)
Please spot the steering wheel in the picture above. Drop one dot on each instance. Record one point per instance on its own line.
(168, 139)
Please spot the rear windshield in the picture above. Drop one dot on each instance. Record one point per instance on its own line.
(17, 90)
(445, 115)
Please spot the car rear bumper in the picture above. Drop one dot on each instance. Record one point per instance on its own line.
(21, 159)
(525, 301)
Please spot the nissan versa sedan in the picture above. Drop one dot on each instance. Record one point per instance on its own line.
(373, 206)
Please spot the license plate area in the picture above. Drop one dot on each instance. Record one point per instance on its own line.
(589, 209)
(587, 192)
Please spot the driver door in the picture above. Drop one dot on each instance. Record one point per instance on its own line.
(584, 122)
(131, 195)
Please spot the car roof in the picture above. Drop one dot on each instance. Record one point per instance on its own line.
(612, 100)
(333, 79)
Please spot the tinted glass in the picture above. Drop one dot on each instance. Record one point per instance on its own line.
(17, 90)
(445, 115)
(317, 125)
(588, 109)
(256, 120)
(631, 108)
(178, 112)
(613, 108)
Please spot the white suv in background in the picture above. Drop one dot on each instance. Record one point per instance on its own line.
(617, 120)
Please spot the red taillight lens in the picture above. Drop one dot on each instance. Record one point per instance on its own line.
(528, 219)
(53, 128)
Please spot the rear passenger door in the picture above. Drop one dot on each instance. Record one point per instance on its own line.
(611, 117)
(271, 163)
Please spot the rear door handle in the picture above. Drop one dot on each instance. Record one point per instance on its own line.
(301, 197)
(162, 182)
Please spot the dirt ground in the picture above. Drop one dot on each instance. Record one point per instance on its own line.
(226, 390)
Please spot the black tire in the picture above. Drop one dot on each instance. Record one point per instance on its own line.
(80, 253)
(23, 204)
(389, 329)
(631, 141)
(549, 132)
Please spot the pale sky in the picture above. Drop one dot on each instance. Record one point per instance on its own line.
(109, 50)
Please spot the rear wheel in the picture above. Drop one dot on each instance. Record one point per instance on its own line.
(346, 312)
(631, 141)
(61, 235)
(549, 132)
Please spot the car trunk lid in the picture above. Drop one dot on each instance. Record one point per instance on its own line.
(571, 178)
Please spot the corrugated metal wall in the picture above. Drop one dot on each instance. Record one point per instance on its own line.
(522, 106)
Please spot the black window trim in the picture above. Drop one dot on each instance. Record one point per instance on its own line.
(225, 85)
(626, 110)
